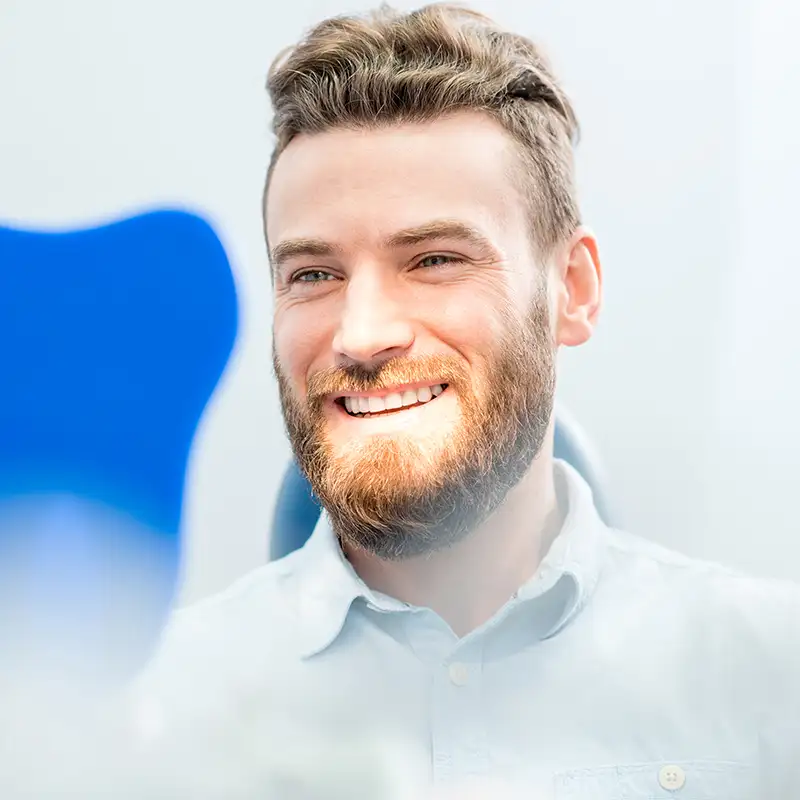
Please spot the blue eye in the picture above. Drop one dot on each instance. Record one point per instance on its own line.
(311, 276)
(441, 261)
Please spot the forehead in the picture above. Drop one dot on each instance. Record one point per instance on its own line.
(355, 186)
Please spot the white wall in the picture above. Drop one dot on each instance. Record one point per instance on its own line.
(758, 391)
(687, 170)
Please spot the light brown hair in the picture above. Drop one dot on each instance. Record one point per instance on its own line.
(389, 67)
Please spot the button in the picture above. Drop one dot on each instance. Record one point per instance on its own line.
(671, 778)
(459, 673)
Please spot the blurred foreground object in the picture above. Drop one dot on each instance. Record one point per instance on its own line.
(114, 339)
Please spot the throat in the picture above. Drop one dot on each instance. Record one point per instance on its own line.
(467, 583)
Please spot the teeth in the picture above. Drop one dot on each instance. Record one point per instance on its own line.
(374, 405)
(393, 401)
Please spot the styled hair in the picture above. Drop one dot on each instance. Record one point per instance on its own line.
(389, 67)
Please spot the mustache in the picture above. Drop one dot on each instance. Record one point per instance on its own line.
(393, 372)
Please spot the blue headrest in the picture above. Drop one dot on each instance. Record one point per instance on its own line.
(297, 509)
(113, 340)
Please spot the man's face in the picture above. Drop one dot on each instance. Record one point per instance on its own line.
(412, 336)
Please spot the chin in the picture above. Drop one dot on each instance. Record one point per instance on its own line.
(400, 453)
(388, 465)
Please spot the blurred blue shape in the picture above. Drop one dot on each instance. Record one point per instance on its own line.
(113, 340)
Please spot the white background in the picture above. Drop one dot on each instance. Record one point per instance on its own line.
(688, 171)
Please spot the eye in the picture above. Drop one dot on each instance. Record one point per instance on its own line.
(438, 260)
(311, 276)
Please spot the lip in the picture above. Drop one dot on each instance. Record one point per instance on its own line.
(397, 389)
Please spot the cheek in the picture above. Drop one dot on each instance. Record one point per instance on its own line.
(299, 339)
(472, 321)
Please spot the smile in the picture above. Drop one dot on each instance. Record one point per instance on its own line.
(373, 405)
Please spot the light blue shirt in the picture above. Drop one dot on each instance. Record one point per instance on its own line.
(620, 671)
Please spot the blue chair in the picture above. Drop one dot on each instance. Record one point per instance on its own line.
(114, 339)
(297, 510)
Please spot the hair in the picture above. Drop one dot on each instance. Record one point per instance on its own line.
(389, 67)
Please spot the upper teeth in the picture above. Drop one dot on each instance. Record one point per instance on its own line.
(373, 405)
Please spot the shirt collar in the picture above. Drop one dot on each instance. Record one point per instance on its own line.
(576, 553)
(327, 585)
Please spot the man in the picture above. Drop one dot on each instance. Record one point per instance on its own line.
(461, 602)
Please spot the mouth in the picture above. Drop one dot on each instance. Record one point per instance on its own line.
(365, 406)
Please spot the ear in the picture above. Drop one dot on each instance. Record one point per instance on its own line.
(578, 288)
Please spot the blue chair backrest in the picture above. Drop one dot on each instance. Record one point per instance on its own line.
(297, 509)
(114, 339)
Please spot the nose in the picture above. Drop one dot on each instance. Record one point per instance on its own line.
(375, 324)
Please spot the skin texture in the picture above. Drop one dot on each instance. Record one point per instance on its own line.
(402, 256)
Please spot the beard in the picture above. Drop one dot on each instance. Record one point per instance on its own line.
(403, 496)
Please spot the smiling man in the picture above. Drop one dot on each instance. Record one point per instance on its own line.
(415, 344)
(460, 606)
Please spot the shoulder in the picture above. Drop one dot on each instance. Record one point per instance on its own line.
(725, 633)
(262, 597)
(260, 606)
(634, 554)
(216, 690)
(231, 638)
(713, 600)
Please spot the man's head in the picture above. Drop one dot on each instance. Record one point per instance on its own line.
(428, 260)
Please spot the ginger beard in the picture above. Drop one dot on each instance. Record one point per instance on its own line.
(406, 495)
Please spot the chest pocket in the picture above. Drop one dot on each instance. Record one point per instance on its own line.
(693, 780)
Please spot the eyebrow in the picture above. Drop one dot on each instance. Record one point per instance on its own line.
(438, 229)
(293, 248)
(407, 237)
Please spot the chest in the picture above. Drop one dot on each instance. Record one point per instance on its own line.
(542, 725)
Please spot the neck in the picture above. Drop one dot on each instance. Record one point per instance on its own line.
(467, 584)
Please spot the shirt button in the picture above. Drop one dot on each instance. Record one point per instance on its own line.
(459, 673)
(671, 778)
